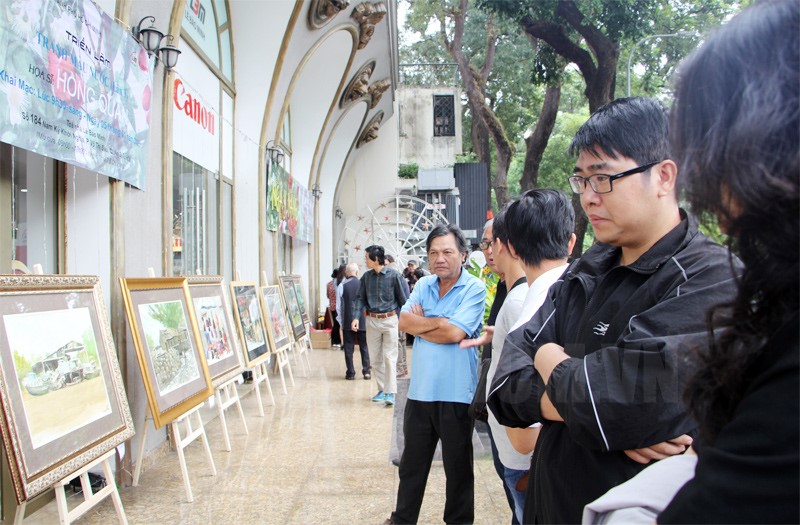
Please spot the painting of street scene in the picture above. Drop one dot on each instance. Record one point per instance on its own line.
(58, 372)
(210, 315)
(277, 317)
(301, 302)
(169, 344)
(296, 320)
(249, 315)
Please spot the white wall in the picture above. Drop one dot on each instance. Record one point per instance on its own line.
(417, 143)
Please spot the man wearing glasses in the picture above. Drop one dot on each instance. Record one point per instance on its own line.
(602, 363)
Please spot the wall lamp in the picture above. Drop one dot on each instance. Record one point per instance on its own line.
(150, 38)
(274, 152)
(316, 192)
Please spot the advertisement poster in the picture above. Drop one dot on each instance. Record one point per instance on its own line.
(290, 209)
(74, 86)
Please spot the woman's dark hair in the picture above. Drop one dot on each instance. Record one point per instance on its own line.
(736, 137)
(338, 273)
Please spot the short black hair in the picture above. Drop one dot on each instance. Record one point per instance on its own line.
(499, 230)
(538, 225)
(440, 230)
(636, 128)
(376, 253)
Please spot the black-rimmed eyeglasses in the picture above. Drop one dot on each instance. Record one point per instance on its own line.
(484, 245)
(602, 183)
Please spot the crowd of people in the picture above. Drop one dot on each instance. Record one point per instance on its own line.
(655, 378)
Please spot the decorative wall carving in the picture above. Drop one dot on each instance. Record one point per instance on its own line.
(368, 15)
(323, 11)
(377, 90)
(370, 132)
(359, 85)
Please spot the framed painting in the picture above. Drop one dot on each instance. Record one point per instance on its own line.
(250, 322)
(292, 307)
(167, 341)
(301, 298)
(215, 324)
(63, 398)
(275, 313)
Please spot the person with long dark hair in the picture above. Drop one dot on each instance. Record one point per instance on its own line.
(736, 125)
(736, 137)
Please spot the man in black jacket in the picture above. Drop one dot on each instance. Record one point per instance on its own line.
(351, 337)
(603, 362)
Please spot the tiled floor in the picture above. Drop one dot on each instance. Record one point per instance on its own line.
(319, 456)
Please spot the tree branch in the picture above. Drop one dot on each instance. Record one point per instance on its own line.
(554, 35)
(599, 43)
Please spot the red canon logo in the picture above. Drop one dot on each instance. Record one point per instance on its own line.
(193, 108)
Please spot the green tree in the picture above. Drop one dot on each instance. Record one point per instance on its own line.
(170, 314)
(591, 33)
(22, 365)
(499, 107)
(90, 346)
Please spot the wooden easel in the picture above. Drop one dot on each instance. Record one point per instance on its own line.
(227, 395)
(302, 347)
(181, 443)
(260, 375)
(281, 362)
(90, 499)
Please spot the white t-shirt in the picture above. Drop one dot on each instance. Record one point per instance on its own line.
(520, 305)
(537, 293)
(509, 313)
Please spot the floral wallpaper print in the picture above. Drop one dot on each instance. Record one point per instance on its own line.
(74, 86)
(290, 209)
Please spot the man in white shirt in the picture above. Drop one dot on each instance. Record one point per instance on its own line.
(532, 239)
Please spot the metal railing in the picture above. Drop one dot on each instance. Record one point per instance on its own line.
(428, 74)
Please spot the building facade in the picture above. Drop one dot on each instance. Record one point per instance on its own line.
(276, 124)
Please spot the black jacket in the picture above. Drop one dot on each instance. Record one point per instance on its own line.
(751, 473)
(629, 331)
(349, 292)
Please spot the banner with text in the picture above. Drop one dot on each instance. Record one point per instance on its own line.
(75, 86)
(290, 209)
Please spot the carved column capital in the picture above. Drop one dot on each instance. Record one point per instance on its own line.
(323, 11)
(368, 15)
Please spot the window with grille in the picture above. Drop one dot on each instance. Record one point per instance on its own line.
(444, 122)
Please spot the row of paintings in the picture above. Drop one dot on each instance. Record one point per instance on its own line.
(62, 394)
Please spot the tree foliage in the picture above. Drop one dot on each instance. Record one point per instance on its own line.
(169, 314)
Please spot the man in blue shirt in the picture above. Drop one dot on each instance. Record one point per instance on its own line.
(443, 309)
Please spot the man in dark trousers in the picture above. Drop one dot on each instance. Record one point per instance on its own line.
(349, 290)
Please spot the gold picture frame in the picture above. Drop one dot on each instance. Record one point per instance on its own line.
(63, 397)
(168, 345)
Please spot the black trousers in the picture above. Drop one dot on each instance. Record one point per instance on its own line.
(335, 338)
(349, 347)
(424, 424)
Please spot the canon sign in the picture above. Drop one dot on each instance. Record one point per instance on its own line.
(193, 108)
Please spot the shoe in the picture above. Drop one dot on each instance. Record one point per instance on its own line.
(367, 376)
(350, 378)
(388, 399)
(396, 462)
(379, 397)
